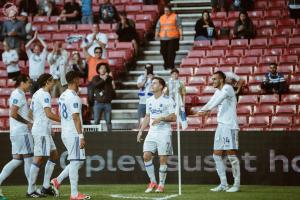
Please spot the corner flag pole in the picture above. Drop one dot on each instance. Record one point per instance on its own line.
(178, 140)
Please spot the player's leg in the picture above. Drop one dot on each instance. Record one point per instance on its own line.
(56, 182)
(162, 173)
(28, 155)
(149, 148)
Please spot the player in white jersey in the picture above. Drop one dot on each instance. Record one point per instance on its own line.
(44, 147)
(160, 111)
(71, 135)
(20, 124)
(226, 136)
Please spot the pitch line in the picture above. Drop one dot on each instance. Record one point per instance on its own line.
(139, 197)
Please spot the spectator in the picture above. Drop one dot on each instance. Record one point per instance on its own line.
(57, 60)
(218, 5)
(104, 92)
(37, 60)
(205, 29)
(28, 25)
(274, 82)
(168, 31)
(144, 84)
(10, 59)
(126, 31)
(13, 30)
(87, 12)
(28, 6)
(96, 39)
(176, 86)
(108, 13)
(244, 28)
(71, 14)
(242, 5)
(1, 27)
(78, 64)
(236, 82)
(47, 7)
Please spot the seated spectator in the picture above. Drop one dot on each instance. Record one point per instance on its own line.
(104, 91)
(10, 59)
(57, 60)
(244, 28)
(86, 12)
(28, 25)
(236, 82)
(28, 6)
(78, 64)
(96, 39)
(126, 31)
(175, 85)
(274, 82)
(37, 60)
(71, 14)
(47, 7)
(108, 13)
(204, 28)
(218, 5)
(242, 5)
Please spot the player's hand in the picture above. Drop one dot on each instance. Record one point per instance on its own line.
(139, 137)
(29, 125)
(156, 121)
(82, 143)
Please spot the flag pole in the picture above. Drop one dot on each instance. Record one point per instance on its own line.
(178, 139)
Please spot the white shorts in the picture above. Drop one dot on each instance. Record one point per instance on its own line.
(43, 145)
(226, 138)
(21, 144)
(161, 144)
(73, 147)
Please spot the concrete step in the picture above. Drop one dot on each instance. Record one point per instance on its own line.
(159, 56)
(154, 62)
(191, 9)
(121, 124)
(124, 113)
(184, 45)
(127, 94)
(125, 103)
(180, 2)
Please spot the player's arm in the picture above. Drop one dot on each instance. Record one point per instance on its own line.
(14, 114)
(239, 85)
(144, 125)
(214, 102)
(169, 118)
(51, 115)
(78, 126)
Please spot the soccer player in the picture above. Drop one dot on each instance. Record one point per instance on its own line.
(71, 135)
(44, 146)
(20, 125)
(226, 136)
(160, 111)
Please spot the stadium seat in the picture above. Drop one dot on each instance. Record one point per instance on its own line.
(59, 36)
(253, 52)
(209, 61)
(282, 32)
(105, 28)
(242, 121)
(273, 52)
(248, 99)
(268, 59)
(4, 112)
(296, 124)
(261, 5)
(263, 110)
(40, 19)
(224, 68)
(10, 83)
(254, 89)
(197, 80)
(292, 59)
(259, 121)
(259, 70)
(195, 90)
(203, 44)
(239, 44)
(112, 36)
(290, 99)
(3, 103)
(256, 79)
(53, 19)
(256, 14)
(70, 28)
(218, 15)
(203, 71)
(243, 70)
(285, 109)
(234, 52)
(215, 53)
(124, 46)
(258, 43)
(267, 23)
(84, 28)
(294, 42)
(196, 54)
(272, 14)
(220, 44)
(195, 122)
(281, 121)
(296, 31)
(248, 61)
(133, 9)
(289, 23)
(229, 24)
(189, 62)
(70, 47)
(49, 28)
(229, 61)
(270, 99)
(186, 71)
(144, 17)
(264, 32)
(286, 68)
(277, 4)
(207, 90)
(3, 82)
(210, 122)
(244, 110)
(295, 78)
(189, 99)
(46, 37)
(277, 42)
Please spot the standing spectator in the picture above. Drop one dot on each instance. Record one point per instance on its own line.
(144, 84)
(10, 59)
(28, 25)
(168, 31)
(104, 92)
(108, 13)
(78, 64)
(274, 82)
(47, 7)
(244, 28)
(57, 60)
(175, 85)
(126, 31)
(71, 14)
(87, 12)
(205, 28)
(13, 30)
(96, 39)
(37, 60)
(235, 81)
(28, 6)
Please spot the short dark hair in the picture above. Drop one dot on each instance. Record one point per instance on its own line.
(100, 64)
(274, 64)
(161, 81)
(71, 75)
(96, 48)
(221, 74)
(43, 79)
(168, 6)
(21, 78)
(174, 70)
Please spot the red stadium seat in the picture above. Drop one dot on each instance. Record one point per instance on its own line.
(286, 68)
(233, 15)
(195, 122)
(67, 28)
(280, 4)
(268, 59)
(49, 28)
(253, 52)
(220, 44)
(289, 23)
(258, 43)
(254, 89)
(249, 61)
(242, 120)
(248, 99)
(259, 121)
(263, 110)
(281, 121)
(255, 15)
(226, 68)
(192, 90)
(229, 24)
(261, 5)
(265, 32)
(272, 14)
(292, 59)
(188, 99)
(294, 88)
(209, 61)
(246, 70)
(203, 44)
(203, 71)
(215, 53)
(189, 62)
(285, 109)
(84, 27)
(218, 15)
(239, 44)
(186, 71)
(294, 42)
(202, 99)
(3, 83)
(210, 122)
(296, 32)
(234, 52)
(59, 36)
(282, 32)
(196, 54)
(277, 42)
(70, 47)
(244, 110)
(46, 36)
(106, 28)
(144, 17)
(295, 78)
(229, 61)
(124, 46)
(197, 80)
(207, 90)
(133, 8)
(40, 19)
(290, 99)
(112, 36)
(267, 23)
(3, 103)
(256, 79)
(4, 112)
(273, 52)
(269, 99)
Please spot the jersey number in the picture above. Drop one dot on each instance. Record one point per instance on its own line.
(64, 111)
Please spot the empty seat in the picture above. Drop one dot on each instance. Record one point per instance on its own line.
(244, 110)
(203, 71)
(232, 61)
(196, 54)
(4, 112)
(265, 32)
(254, 89)
(268, 59)
(133, 8)
(290, 99)
(294, 42)
(246, 70)
(296, 31)
(67, 28)
(255, 14)
(281, 121)
(218, 15)
(203, 44)
(292, 59)
(253, 52)
(272, 14)
(282, 32)
(263, 109)
(220, 44)
(224, 68)
(210, 122)
(285, 109)
(239, 44)
(259, 121)
(209, 61)
(234, 52)
(202, 99)
(258, 43)
(49, 28)
(233, 15)
(290, 23)
(124, 45)
(195, 122)
(294, 88)
(40, 19)
(274, 4)
(277, 42)
(192, 90)
(256, 79)
(189, 62)
(261, 5)
(59, 36)
(267, 23)
(197, 80)
(3, 103)
(249, 61)
(286, 68)
(295, 78)
(269, 99)
(208, 90)
(215, 53)
(186, 71)
(248, 99)
(273, 52)
(84, 27)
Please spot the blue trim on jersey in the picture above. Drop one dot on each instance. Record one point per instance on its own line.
(162, 171)
(35, 164)
(77, 148)
(44, 145)
(27, 143)
(149, 165)
(77, 160)
(51, 161)
(233, 139)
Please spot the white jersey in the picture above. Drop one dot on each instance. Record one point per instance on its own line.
(69, 103)
(41, 123)
(161, 107)
(18, 98)
(226, 101)
(145, 92)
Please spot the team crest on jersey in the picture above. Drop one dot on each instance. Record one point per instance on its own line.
(47, 100)
(15, 101)
(75, 105)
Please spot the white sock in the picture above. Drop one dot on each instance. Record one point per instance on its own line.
(73, 176)
(34, 171)
(150, 171)
(64, 174)
(48, 173)
(235, 166)
(9, 168)
(162, 174)
(220, 167)
(27, 165)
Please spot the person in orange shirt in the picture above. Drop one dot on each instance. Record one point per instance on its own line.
(169, 31)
